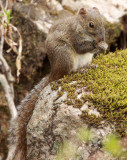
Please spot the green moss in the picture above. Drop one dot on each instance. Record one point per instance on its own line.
(107, 86)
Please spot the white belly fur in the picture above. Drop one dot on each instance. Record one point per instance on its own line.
(80, 60)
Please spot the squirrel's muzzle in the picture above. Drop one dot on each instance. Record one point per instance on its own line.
(101, 37)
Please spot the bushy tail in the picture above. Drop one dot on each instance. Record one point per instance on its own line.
(18, 126)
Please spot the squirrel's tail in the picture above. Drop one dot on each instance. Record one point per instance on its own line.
(18, 126)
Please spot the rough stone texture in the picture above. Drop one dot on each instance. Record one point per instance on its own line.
(53, 122)
(111, 10)
(24, 18)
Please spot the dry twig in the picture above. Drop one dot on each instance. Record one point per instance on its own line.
(15, 46)
(6, 78)
(7, 84)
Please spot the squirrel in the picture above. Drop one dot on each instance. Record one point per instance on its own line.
(70, 45)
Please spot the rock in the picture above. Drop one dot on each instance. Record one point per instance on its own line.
(73, 115)
(33, 19)
(112, 10)
(54, 122)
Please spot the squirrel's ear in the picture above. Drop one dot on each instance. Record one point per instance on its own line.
(82, 12)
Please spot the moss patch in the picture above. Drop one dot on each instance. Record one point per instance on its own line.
(107, 86)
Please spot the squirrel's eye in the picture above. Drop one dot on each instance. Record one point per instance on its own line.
(91, 25)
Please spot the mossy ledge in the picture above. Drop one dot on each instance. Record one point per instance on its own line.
(106, 88)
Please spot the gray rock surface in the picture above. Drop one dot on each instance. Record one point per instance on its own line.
(54, 122)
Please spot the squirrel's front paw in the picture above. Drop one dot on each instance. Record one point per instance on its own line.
(102, 45)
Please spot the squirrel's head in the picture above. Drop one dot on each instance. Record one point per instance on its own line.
(93, 22)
